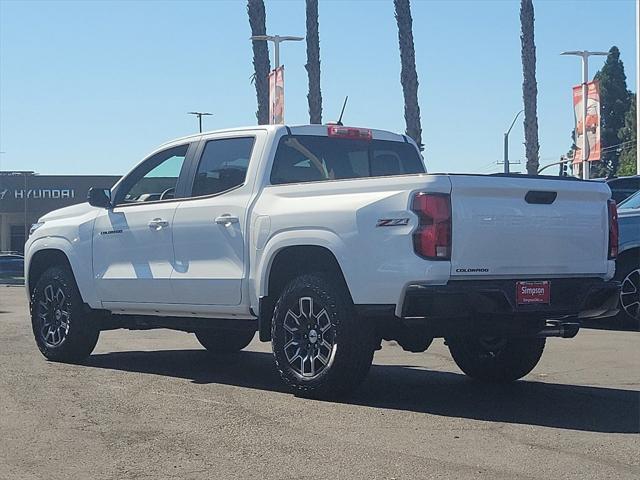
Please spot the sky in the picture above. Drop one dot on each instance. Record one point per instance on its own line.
(90, 87)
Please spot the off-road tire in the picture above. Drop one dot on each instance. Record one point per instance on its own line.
(515, 358)
(56, 291)
(217, 340)
(352, 338)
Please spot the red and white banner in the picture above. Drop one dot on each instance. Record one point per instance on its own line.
(593, 122)
(276, 96)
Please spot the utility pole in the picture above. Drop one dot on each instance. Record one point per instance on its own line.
(276, 39)
(200, 115)
(506, 143)
(584, 54)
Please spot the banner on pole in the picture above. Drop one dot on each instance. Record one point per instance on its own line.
(276, 96)
(592, 124)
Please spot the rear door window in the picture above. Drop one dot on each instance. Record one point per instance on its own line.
(223, 165)
(307, 158)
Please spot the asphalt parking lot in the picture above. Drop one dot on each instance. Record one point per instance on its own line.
(154, 405)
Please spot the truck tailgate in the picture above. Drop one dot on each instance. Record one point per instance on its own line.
(528, 227)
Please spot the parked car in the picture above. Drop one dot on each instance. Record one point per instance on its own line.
(325, 240)
(628, 261)
(11, 265)
(623, 187)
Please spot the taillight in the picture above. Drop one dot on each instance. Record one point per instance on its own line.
(613, 229)
(349, 132)
(432, 238)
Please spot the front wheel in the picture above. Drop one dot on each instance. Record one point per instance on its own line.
(62, 327)
(321, 348)
(496, 359)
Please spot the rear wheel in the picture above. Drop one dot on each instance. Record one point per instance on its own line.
(321, 348)
(496, 359)
(63, 329)
(224, 341)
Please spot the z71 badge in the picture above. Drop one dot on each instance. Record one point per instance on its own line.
(392, 222)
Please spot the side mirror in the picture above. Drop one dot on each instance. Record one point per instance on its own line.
(99, 197)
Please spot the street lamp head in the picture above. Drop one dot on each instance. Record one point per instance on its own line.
(583, 53)
(276, 38)
(291, 38)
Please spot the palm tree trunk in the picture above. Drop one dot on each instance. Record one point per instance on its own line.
(261, 64)
(529, 86)
(313, 63)
(408, 73)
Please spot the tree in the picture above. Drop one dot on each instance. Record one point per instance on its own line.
(529, 86)
(628, 137)
(615, 101)
(261, 64)
(408, 73)
(313, 63)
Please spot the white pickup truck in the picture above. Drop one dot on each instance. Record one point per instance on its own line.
(325, 240)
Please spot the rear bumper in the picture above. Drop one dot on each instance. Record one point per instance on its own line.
(489, 307)
(578, 298)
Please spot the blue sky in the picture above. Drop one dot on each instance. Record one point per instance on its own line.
(91, 87)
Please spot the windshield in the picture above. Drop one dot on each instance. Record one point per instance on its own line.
(632, 202)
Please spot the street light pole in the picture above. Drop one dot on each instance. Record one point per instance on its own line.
(584, 54)
(506, 143)
(200, 115)
(276, 39)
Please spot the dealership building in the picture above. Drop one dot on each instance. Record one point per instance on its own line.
(26, 196)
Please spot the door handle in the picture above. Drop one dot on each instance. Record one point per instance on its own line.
(227, 219)
(158, 223)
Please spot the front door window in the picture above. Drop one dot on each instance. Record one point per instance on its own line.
(156, 179)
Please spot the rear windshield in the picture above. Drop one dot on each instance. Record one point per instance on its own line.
(307, 158)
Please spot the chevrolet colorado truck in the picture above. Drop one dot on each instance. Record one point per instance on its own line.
(325, 240)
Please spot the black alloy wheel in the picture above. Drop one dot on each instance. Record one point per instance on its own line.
(321, 347)
(62, 327)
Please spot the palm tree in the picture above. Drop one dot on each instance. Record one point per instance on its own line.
(529, 86)
(261, 64)
(408, 73)
(313, 63)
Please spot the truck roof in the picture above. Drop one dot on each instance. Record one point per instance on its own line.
(304, 129)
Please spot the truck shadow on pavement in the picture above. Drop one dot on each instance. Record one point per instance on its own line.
(414, 389)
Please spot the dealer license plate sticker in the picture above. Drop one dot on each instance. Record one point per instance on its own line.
(528, 293)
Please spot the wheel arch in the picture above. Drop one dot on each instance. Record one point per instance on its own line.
(291, 261)
(285, 239)
(43, 259)
(286, 263)
(58, 251)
